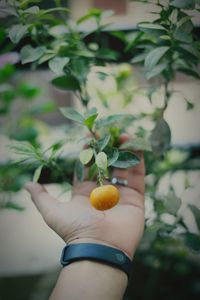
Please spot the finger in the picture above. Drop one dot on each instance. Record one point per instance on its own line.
(42, 200)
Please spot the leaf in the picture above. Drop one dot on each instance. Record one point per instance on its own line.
(86, 156)
(57, 64)
(66, 82)
(137, 144)
(193, 241)
(160, 137)
(79, 170)
(154, 56)
(126, 159)
(37, 173)
(12, 205)
(89, 122)
(173, 16)
(30, 54)
(112, 155)
(189, 71)
(172, 203)
(72, 114)
(151, 26)
(33, 10)
(102, 143)
(139, 58)
(17, 32)
(187, 4)
(101, 160)
(190, 105)
(112, 119)
(191, 49)
(155, 71)
(196, 212)
(92, 172)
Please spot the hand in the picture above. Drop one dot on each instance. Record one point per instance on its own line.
(77, 221)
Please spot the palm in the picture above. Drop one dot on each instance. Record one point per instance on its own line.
(76, 220)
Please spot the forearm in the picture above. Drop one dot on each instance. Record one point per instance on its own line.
(89, 280)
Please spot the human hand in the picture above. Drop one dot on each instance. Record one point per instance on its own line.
(77, 221)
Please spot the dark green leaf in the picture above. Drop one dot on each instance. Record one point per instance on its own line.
(189, 71)
(139, 58)
(112, 119)
(12, 205)
(112, 155)
(17, 32)
(172, 203)
(187, 4)
(72, 114)
(160, 137)
(154, 56)
(193, 241)
(66, 82)
(126, 159)
(137, 144)
(190, 105)
(196, 212)
(92, 172)
(30, 54)
(191, 49)
(79, 171)
(102, 143)
(57, 64)
(155, 71)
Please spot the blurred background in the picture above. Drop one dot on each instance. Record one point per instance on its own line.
(167, 262)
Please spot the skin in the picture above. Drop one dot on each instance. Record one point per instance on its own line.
(78, 222)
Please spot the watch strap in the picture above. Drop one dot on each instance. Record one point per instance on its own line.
(96, 252)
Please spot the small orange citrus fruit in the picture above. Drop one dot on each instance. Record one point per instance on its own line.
(104, 197)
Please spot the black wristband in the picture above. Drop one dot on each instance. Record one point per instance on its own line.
(98, 253)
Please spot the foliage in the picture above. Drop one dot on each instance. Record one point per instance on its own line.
(162, 48)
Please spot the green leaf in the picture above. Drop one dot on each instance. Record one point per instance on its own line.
(186, 4)
(172, 203)
(193, 241)
(112, 155)
(101, 160)
(160, 137)
(154, 56)
(57, 64)
(137, 144)
(17, 32)
(102, 143)
(190, 105)
(66, 82)
(79, 171)
(30, 54)
(89, 122)
(72, 114)
(155, 71)
(139, 58)
(126, 159)
(173, 16)
(45, 58)
(12, 205)
(114, 119)
(86, 156)
(190, 72)
(92, 172)
(37, 173)
(191, 49)
(153, 26)
(196, 212)
(33, 10)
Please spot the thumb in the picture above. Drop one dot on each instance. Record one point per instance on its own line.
(42, 200)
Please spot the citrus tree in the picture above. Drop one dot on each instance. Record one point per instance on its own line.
(160, 49)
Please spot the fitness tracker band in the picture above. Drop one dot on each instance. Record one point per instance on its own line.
(98, 253)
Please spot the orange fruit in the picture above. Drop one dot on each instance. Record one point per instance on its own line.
(104, 197)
